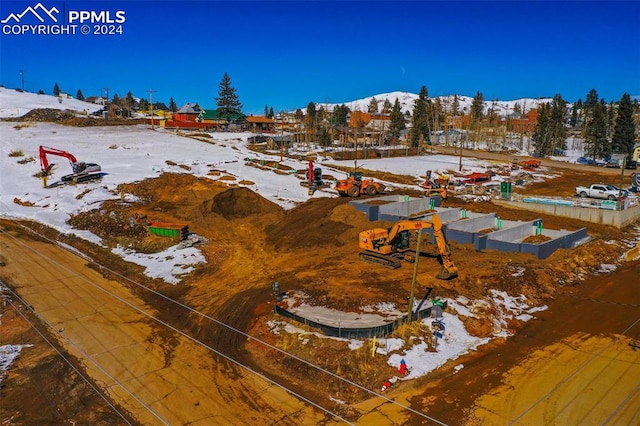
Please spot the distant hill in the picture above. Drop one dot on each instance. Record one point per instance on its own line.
(406, 100)
(14, 103)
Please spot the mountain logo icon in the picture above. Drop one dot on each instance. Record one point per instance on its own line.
(38, 11)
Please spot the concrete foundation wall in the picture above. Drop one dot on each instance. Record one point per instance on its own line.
(464, 227)
(617, 218)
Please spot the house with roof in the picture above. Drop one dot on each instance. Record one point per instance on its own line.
(188, 113)
(259, 124)
(213, 118)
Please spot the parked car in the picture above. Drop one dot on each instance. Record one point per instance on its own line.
(602, 191)
(584, 160)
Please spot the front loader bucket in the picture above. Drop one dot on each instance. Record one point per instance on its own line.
(446, 275)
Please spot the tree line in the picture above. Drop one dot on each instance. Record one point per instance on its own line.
(606, 128)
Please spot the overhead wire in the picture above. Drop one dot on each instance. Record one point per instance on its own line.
(64, 358)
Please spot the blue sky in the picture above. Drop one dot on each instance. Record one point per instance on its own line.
(287, 54)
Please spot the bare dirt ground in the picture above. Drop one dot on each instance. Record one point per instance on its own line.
(251, 243)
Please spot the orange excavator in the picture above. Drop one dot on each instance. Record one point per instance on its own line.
(81, 171)
(388, 247)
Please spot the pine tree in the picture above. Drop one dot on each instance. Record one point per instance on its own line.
(271, 113)
(266, 110)
(477, 108)
(542, 134)
(373, 106)
(340, 114)
(56, 90)
(386, 106)
(129, 101)
(420, 120)
(575, 111)
(624, 131)
(143, 105)
(455, 107)
(172, 105)
(40, 92)
(227, 101)
(558, 121)
(397, 120)
(596, 143)
(79, 95)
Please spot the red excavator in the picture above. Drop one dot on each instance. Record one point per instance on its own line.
(81, 171)
(388, 247)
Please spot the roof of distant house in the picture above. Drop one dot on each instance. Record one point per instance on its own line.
(189, 109)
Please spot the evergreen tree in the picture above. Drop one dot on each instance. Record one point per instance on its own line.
(299, 115)
(116, 100)
(386, 106)
(542, 134)
(56, 90)
(575, 113)
(340, 114)
(266, 110)
(420, 120)
(40, 92)
(397, 120)
(227, 101)
(596, 142)
(310, 118)
(129, 101)
(173, 107)
(591, 100)
(558, 122)
(79, 95)
(477, 108)
(455, 107)
(624, 130)
(325, 138)
(143, 105)
(271, 113)
(373, 106)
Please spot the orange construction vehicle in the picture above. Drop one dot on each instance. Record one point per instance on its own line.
(388, 247)
(354, 186)
(436, 186)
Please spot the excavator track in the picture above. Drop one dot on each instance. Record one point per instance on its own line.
(379, 259)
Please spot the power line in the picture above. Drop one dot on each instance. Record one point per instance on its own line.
(66, 360)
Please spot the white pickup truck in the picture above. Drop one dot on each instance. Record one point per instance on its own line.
(601, 190)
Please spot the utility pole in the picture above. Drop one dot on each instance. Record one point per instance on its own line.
(415, 275)
(151, 105)
(106, 90)
(22, 77)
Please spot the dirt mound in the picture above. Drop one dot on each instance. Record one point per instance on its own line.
(46, 114)
(237, 203)
(309, 225)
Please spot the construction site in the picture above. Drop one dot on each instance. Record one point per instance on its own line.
(213, 349)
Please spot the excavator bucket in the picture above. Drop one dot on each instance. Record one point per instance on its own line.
(446, 275)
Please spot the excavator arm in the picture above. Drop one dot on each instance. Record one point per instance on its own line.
(44, 162)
